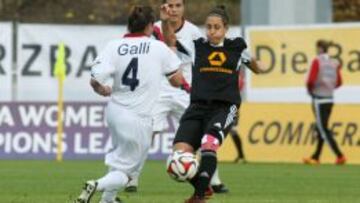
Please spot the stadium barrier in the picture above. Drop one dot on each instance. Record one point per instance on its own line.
(28, 131)
(6, 54)
(36, 51)
(286, 133)
(287, 52)
(270, 132)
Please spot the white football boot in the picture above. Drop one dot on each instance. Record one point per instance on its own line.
(87, 192)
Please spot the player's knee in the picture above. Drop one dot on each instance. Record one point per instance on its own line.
(217, 132)
(183, 146)
(210, 143)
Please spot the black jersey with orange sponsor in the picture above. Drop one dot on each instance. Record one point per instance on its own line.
(215, 72)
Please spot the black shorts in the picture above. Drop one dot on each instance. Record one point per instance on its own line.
(206, 118)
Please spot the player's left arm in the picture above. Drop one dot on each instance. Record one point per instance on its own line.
(177, 79)
(250, 62)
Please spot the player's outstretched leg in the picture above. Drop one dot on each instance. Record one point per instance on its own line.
(209, 146)
(110, 184)
(133, 184)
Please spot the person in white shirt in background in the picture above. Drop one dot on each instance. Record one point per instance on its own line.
(323, 79)
(136, 64)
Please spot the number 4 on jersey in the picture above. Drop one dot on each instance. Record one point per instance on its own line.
(132, 69)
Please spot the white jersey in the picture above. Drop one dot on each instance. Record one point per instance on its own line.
(136, 65)
(187, 32)
(327, 77)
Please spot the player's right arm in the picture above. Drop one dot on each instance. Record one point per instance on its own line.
(171, 68)
(101, 71)
(168, 31)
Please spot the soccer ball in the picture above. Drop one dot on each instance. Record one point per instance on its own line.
(182, 166)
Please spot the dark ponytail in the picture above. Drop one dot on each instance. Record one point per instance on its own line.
(324, 44)
(220, 11)
(139, 18)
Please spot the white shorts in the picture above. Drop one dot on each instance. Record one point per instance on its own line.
(173, 105)
(131, 139)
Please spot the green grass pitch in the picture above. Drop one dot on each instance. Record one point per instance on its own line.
(51, 182)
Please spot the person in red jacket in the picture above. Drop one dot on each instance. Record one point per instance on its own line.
(324, 77)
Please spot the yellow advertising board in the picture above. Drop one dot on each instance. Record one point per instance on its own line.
(287, 53)
(286, 133)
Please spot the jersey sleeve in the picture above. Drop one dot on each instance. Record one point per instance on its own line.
(245, 58)
(313, 73)
(103, 66)
(186, 49)
(157, 33)
(197, 33)
(171, 62)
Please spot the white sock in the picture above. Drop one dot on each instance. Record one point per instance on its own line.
(111, 184)
(215, 179)
(134, 177)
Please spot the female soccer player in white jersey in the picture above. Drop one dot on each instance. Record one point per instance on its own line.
(136, 63)
(173, 101)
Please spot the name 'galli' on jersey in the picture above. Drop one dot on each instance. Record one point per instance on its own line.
(142, 48)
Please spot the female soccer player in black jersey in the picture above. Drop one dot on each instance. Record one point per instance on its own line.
(215, 97)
